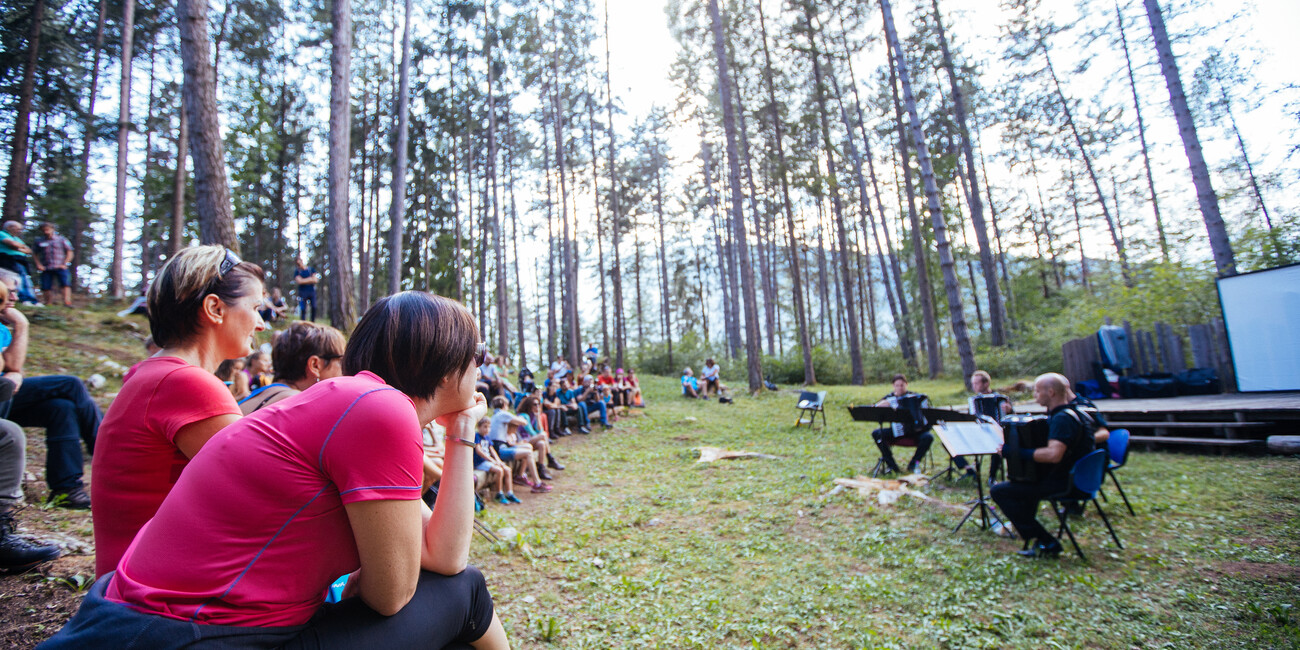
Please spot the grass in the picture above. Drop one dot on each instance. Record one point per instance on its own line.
(639, 546)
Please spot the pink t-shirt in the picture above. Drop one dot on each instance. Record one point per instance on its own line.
(136, 459)
(255, 530)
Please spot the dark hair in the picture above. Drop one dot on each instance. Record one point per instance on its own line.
(226, 370)
(177, 294)
(500, 402)
(528, 404)
(897, 377)
(301, 341)
(413, 340)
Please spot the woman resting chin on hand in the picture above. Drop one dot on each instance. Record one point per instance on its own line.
(324, 483)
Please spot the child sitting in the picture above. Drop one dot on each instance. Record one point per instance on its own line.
(487, 461)
(690, 386)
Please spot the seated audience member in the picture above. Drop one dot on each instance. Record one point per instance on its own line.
(13, 258)
(589, 395)
(555, 413)
(231, 373)
(885, 437)
(575, 408)
(634, 385)
(530, 408)
(1069, 439)
(710, 377)
(690, 386)
(526, 383)
(202, 310)
(60, 404)
(258, 369)
(138, 307)
(505, 440)
(495, 471)
(323, 484)
(274, 306)
(303, 354)
(432, 436)
(989, 404)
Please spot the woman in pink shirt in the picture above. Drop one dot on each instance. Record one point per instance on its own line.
(202, 311)
(324, 483)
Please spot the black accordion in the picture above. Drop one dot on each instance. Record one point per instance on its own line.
(1024, 432)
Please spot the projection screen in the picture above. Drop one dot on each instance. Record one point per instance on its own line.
(1261, 312)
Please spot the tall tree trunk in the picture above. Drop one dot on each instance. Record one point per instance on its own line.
(749, 183)
(514, 236)
(1250, 172)
(600, 227)
(338, 237)
(753, 352)
(922, 267)
(180, 181)
(728, 303)
(1078, 229)
(572, 325)
(369, 162)
(1142, 136)
(115, 279)
(997, 312)
(502, 295)
(997, 236)
(76, 226)
(782, 171)
(551, 256)
(16, 181)
(827, 329)
(211, 189)
(616, 273)
(955, 309)
(666, 307)
(848, 305)
(147, 227)
(280, 175)
(397, 211)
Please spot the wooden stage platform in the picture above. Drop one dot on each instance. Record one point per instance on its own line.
(1228, 420)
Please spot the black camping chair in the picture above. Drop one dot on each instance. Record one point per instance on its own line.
(810, 404)
(1085, 480)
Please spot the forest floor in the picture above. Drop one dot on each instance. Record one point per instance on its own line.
(641, 546)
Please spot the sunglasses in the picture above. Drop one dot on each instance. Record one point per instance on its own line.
(231, 261)
(480, 355)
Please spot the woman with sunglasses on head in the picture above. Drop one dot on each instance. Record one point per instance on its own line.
(202, 311)
(324, 483)
(302, 355)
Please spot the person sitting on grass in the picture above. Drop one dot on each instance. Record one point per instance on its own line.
(530, 408)
(259, 371)
(231, 373)
(590, 395)
(710, 376)
(495, 470)
(323, 484)
(505, 440)
(576, 408)
(303, 354)
(636, 398)
(690, 385)
(885, 436)
(555, 413)
(274, 306)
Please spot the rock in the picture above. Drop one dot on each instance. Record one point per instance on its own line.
(1285, 445)
(529, 599)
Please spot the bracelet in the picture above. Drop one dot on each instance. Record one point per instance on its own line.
(467, 443)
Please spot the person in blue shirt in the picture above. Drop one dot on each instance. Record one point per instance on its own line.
(575, 407)
(690, 386)
(590, 396)
(487, 461)
(306, 279)
(502, 434)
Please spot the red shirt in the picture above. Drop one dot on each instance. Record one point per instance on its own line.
(255, 530)
(606, 380)
(136, 460)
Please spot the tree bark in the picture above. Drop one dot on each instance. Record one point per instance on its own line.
(115, 280)
(616, 273)
(16, 182)
(796, 274)
(572, 325)
(600, 227)
(337, 236)
(666, 305)
(946, 264)
(397, 211)
(211, 189)
(180, 180)
(498, 244)
(1142, 136)
(76, 226)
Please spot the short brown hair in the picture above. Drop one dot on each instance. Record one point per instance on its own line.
(177, 294)
(301, 341)
(500, 402)
(413, 340)
(981, 373)
(897, 377)
(529, 404)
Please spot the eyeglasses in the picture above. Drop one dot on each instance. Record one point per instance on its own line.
(231, 261)
(480, 355)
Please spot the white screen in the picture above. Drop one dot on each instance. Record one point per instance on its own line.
(1262, 314)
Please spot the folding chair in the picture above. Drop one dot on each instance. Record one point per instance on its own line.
(912, 405)
(926, 464)
(1085, 479)
(810, 404)
(1117, 449)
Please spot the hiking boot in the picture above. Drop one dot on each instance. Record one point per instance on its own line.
(74, 499)
(584, 430)
(1041, 550)
(544, 475)
(552, 463)
(18, 555)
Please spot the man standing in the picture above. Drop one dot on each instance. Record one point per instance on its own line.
(1069, 438)
(53, 255)
(305, 278)
(13, 256)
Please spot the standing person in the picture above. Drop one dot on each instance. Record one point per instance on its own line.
(709, 374)
(13, 256)
(202, 310)
(53, 256)
(322, 484)
(305, 278)
(885, 437)
(1069, 438)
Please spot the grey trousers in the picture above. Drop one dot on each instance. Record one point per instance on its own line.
(13, 463)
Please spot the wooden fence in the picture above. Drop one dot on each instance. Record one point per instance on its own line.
(1163, 350)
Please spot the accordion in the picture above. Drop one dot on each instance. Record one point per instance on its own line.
(1024, 432)
(912, 405)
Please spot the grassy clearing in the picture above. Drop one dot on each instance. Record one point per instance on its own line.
(641, 547)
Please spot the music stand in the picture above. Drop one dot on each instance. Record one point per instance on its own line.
(977, 439)
(880, 415)
(940, 416)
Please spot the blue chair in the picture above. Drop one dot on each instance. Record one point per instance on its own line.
(810, 404)
(1117, 448)
(1085, 480)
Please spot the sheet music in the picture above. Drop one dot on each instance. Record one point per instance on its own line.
(970, 438)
